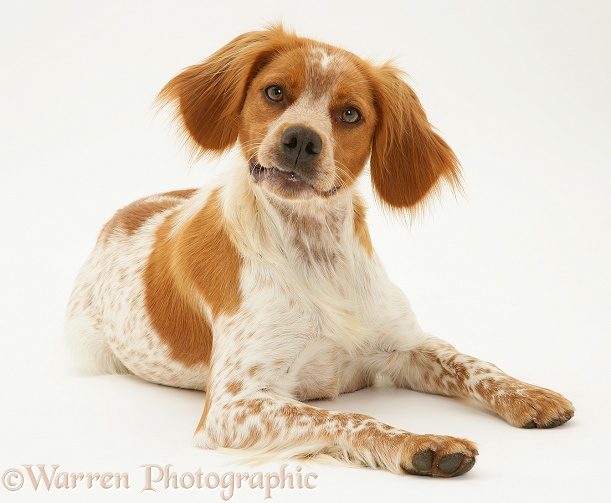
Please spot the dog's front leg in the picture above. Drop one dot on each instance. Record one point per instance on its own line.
(435, 366)
(271, 424)
(247, 408)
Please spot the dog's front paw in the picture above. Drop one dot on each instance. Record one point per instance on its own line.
(527, 406)
(439, 456)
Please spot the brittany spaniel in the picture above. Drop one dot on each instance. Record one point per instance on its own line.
(265, 290)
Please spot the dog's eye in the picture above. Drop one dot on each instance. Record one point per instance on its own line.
(350, 116)
(274, 93)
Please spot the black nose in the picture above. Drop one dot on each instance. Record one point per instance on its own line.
(300, 145)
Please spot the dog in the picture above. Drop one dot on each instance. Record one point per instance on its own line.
(265, 290)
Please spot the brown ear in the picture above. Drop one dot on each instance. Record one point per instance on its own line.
(209, 96)
(408, 159)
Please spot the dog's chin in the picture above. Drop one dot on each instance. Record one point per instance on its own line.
(286, 184)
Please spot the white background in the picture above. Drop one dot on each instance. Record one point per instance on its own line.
(515, 271)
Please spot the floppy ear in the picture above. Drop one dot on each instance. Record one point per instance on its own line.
(209, 96)
(408, 158)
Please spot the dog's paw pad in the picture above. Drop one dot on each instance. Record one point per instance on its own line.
(443, 457)
(450, 463)
(467, 465)
(423, 461)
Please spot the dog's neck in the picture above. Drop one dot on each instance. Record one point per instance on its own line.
(318, 230)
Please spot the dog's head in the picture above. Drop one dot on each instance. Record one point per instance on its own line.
(309, 116)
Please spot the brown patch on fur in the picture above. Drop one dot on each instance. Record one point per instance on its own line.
(361, 230)
(129, 219)
(255, 406)
(199, 260)
(234, 387)
(169, 301)
(254, 370)
(209, 260)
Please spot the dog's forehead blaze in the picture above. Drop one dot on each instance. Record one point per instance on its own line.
(319, 71)
(323, 71)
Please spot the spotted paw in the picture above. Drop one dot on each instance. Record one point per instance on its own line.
(439, 456)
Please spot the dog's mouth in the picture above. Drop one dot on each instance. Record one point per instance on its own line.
(288, 180)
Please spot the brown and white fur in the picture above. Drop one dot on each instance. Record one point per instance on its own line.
(265, 290)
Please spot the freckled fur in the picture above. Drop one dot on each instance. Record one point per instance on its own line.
(265, 295)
